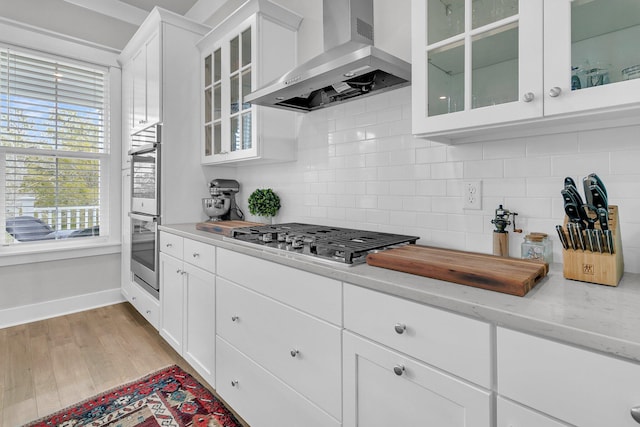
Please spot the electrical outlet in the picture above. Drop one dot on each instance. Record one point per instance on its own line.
(472, 194)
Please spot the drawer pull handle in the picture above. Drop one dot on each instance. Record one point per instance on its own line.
(398, 370)
(294, 352)
(196, 255)
(179, 271)
(635, 413)
(134, 298)
(234, 383)
(148, 311)
(169, 245)
(400, 328)
(234, 318)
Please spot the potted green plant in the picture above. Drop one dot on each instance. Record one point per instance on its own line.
(264, 202)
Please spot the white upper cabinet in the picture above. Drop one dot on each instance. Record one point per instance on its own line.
(146, 83)
(253, 46)
(485, 67)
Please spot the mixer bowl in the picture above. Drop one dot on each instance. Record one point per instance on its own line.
(215, 207)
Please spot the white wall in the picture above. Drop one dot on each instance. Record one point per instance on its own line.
(359, 166)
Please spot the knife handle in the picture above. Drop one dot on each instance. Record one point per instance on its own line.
(603, 217)
(572, 236)
(592, 244)
(562, 236)
(598, 236)
(609, 238)
(581, 240)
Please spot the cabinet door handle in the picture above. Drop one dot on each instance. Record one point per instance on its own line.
(148, 311)
(398, 370)
(555, 91)
(169, 245)
(178, 271)
(196, 255)
(234, 318)
(234, 383)
(294, 352)
(134, 298)
(528, 97)
(635, 413)
(400, 328)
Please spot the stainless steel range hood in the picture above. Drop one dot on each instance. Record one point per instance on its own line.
(351, 67)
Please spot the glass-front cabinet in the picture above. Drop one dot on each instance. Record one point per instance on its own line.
(481, 66)
(596, 59)
(234, 130)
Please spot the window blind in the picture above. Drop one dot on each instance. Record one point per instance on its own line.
(53, 148)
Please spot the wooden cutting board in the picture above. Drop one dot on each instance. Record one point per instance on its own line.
(512, 276)
(224, 227)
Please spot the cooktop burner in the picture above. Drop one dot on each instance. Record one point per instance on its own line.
(343, 245)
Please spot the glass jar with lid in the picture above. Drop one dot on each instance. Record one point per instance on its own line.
(537, 246)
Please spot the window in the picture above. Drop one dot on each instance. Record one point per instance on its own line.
(53, 149)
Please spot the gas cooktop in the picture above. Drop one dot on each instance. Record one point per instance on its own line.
(339, 245)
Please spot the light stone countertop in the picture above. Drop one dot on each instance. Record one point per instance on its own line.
(598, 317)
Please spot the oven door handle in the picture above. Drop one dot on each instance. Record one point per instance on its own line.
(142, 217)
(146, 148)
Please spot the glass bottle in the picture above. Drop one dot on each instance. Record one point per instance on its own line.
(537, 246)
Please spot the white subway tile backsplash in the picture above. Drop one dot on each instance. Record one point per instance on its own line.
(581, 164)
(483, 168)
(359, 166)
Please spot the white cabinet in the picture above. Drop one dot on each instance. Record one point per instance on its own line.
(146, 84)
(282, 330)
(187, 297)
(577, 386)
(143, 302)
(404, 380)
(511, 414)
(385, 388)
(253, 46)
(482, 69)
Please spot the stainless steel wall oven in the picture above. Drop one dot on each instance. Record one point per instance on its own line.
(145, 207)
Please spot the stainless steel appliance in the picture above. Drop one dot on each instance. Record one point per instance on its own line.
(144, 252)
(351, 66)
(317, 242)
(145, 207)
(222, 203)
(145, 171)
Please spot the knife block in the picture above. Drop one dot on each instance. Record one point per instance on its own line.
(595, 267)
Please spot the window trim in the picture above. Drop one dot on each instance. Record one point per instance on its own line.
(57, 46)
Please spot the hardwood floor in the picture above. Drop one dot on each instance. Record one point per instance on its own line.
(48, 365)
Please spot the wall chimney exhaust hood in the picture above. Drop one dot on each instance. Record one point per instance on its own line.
(350, 67)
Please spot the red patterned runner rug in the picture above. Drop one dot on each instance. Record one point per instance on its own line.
(170, 397)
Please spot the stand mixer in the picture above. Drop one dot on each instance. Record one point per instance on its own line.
(221, 206)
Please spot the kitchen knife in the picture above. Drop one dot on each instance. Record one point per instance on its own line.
(598, 197)
(573, 206)
(572, 235)
(581, 240)
(595, 179)
(598, 238)
(569, 182)
(608, 235)
(590, 239)
(603, 218)
(562, 236)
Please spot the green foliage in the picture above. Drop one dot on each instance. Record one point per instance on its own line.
(264, 202)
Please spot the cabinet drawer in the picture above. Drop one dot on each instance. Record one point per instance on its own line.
(575, 385)
(511, 414)
(384, 388)
(449, 341)
(200, 254)
(302, 351)
(311, 293)
(145, 304)
(259, 397)
(171, 244)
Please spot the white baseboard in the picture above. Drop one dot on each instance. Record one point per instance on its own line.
(45, 310)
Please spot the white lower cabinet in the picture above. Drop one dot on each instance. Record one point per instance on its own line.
(260, 398)
(385, 388)
(510, 414)
(282, 343)
(143, 302)
(579, 387)
(187, 295)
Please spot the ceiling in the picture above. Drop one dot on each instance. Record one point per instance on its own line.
(109, 23)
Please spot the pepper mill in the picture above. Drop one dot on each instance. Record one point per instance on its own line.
(500, 234)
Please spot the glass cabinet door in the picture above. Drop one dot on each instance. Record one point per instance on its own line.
(478, 54)
(213, 104)
(240, 85)
(593, 59)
